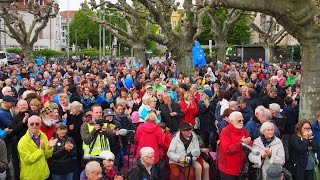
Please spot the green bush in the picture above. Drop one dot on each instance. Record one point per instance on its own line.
(14, 50)
(49, 53)
(89, 52)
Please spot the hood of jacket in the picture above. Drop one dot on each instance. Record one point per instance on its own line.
(149, 127)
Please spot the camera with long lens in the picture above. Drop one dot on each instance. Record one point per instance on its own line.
(101, 121)
(188, 160)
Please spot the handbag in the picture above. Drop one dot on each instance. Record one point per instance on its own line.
(316, 172)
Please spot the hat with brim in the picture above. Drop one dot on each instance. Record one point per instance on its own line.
(9, 99)
(274, 172)
(185, 126)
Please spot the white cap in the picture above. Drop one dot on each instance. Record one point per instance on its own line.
(107, 155)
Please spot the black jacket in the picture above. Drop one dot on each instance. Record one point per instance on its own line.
(61, 158)
(139, 172)
(291, 115)
(265, 101)
(172, 122)
(19, 128)
(207, 116)
(298, 153)
(76, 121)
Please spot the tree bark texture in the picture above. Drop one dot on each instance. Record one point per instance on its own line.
(269, 54)
(28, 52)
(140, 54)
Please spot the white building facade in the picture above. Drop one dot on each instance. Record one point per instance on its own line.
(49, 37)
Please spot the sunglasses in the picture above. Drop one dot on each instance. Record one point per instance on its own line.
(240, 121)
(34, 124)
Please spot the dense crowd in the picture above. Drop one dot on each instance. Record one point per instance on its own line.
(118, 120)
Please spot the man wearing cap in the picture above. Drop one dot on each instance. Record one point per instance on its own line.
(272, 98)
(207, 108)
(6, 115)
(114, 126)
(179, 151)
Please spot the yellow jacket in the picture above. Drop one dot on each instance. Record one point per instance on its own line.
(34, 165)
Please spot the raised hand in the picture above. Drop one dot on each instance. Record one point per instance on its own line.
(53, 142)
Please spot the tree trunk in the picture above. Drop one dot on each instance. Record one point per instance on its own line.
(269, 54)
(221, 51)
(28, 52)
(310, 86)
(185, 63)
(140, 54)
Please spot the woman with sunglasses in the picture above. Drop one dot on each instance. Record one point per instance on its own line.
(302, 149)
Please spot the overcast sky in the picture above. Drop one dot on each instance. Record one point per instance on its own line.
(73, 4)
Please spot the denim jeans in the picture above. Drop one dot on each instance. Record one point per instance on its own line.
(68, 176)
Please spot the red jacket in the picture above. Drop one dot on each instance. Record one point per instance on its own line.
(232, 154)
(190, 114)
(48, 130)
(149, 134)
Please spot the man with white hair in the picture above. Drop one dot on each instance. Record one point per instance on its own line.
(93, 171)
(232, 154)
(261, 115)
(278, 119)
(144, 167)
(8, 83)
(34, 150)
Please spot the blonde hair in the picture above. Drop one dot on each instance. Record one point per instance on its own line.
(149, 100)
(152, 117)
(187, 95)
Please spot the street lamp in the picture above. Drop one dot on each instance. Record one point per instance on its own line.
(68, 34)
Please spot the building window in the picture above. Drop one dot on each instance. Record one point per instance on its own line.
(174, 23)
(63, 34)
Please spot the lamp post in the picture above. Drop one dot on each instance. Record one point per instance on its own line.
(68, 34)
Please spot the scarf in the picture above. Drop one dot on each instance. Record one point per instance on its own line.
(186, 142)
(266, 141)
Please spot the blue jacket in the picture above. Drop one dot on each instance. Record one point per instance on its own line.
(253, 126)
(3, 134)
(291, 115)
(316, 131)
(5, 118)
(247, 114)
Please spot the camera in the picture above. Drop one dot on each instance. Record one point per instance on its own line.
(188, 160)
(202, 102)
(101, 121)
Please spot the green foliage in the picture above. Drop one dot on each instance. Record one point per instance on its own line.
(89, 52)
(49, 53)
(240, 32)
(14, 50)
(83, 29)
(206, 35)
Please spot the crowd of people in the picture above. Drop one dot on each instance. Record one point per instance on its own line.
(113, 120)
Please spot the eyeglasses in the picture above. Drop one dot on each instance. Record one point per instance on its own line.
(34, 124)
(240, 121)
(151, 157)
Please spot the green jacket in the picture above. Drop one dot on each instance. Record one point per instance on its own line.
(159, 87)
(291, 80)
(33, 159)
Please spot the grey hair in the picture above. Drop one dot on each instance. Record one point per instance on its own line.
(91, 167)
(145, 151)
(21, 101)
(267, 114)
(233, 105)
(259, 109)
(76, 105)
(274, 106)
(4, 89)
(265, 126)
(233, 116)
(279, 72)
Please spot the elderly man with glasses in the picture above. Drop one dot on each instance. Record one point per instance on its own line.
(232, 155)
(34, 148)
(144, 167)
